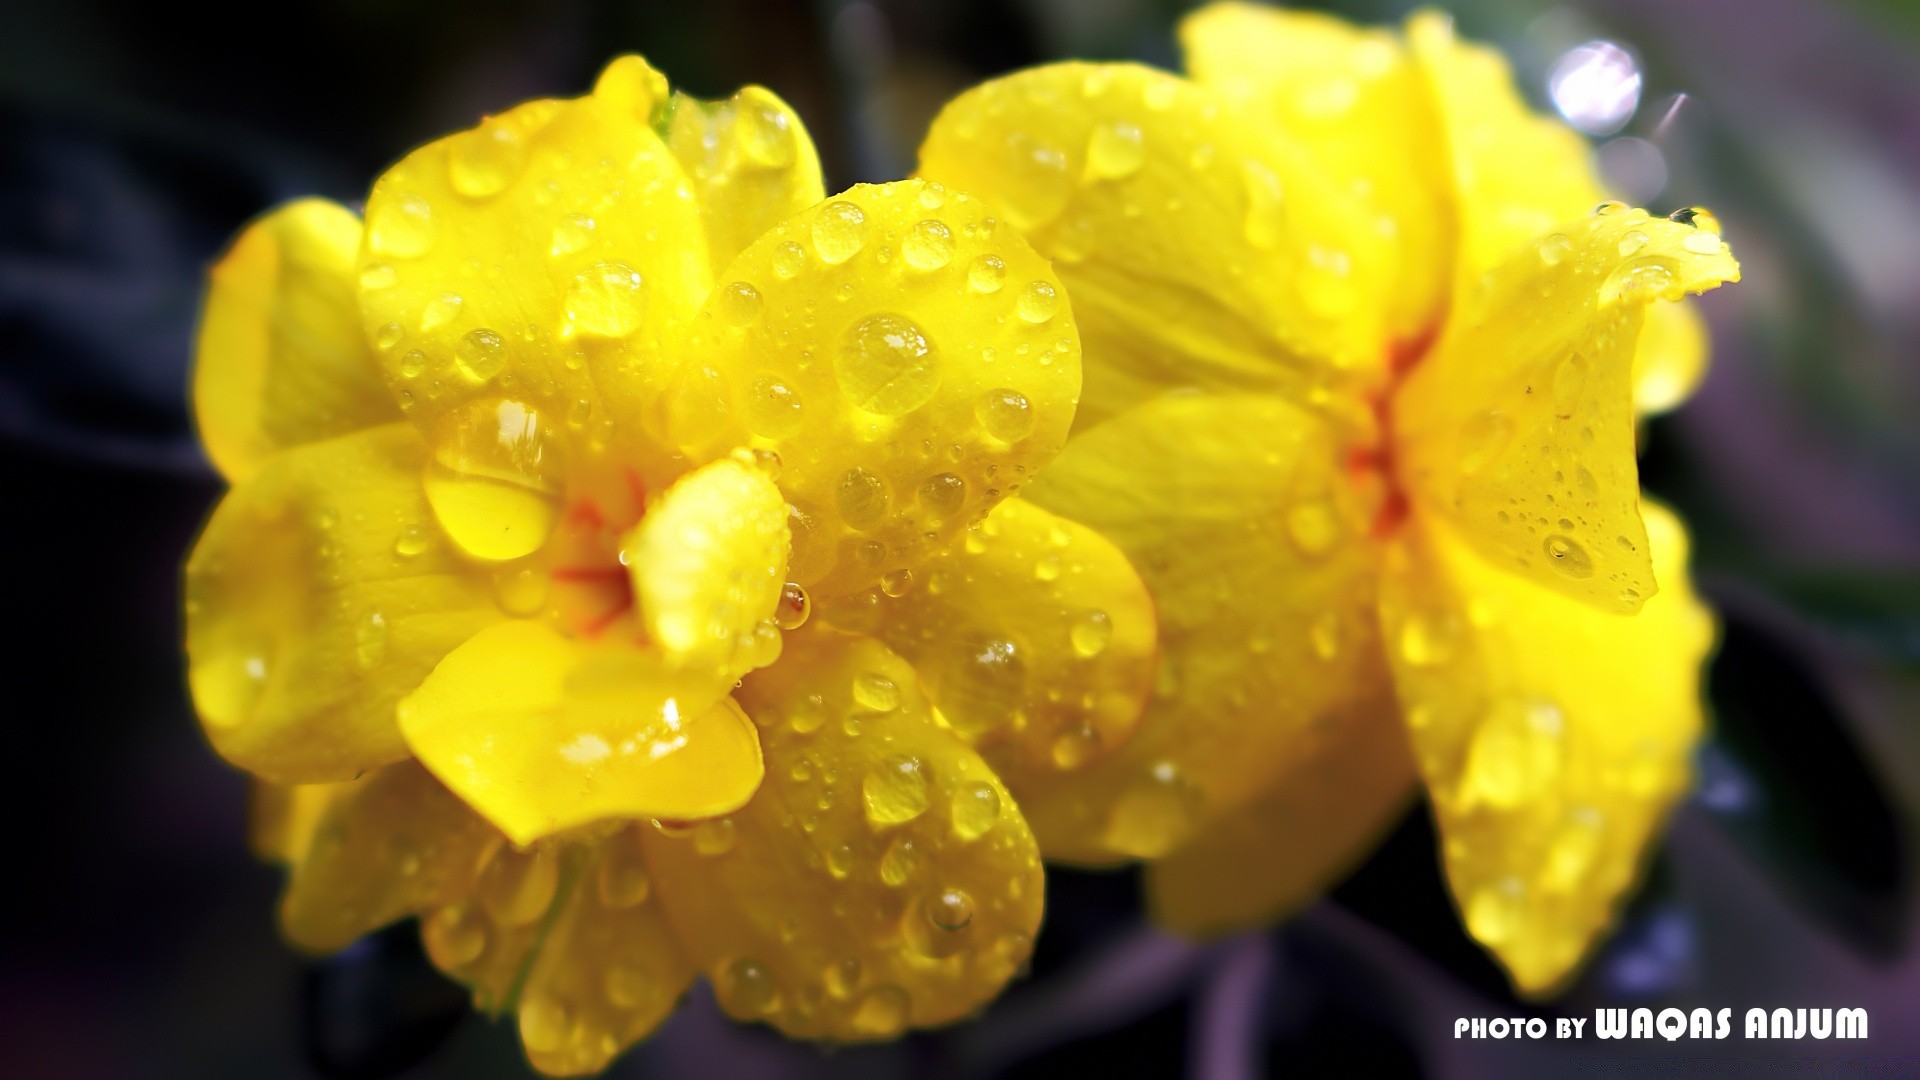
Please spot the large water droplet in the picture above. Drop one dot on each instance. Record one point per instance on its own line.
(1515, 755)
(764, 135)
(839, 232)
(929, 246)
(746, 988)
(975, 809)
(882, 1012)
(861, 498)
(1568, 557)
(1090, 633)
(571, 235)
(887, 365)
(1038, 302)
(517, 889)
(1006, 414)
(793, 608)
(454, 936)
(495, 478)
(482, 162)
(896, 790)
(875, 691)
(943, 494)
(605, 300)
(1115, 151)
(986, 274)
(980, 684)
(1152, 814)
(401, 227)
(480, 354)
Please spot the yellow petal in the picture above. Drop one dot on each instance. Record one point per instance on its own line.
(1034, 638)
(881, 878)
(609, 970)
(1519, 427)
(541, 734)
(281, 359)
(1254, 552)
(394, 844)
(317, 597)
(543, 257)
(485, 938)
(1277, 854)
(910, 361)
(751, 161)
(281, 818)
(1553, 737)
(1671, 358)
(1200, 247)
(1352, 98)
(708, 562)
(1512, 174)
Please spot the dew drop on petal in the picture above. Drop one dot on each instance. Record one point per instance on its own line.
(839, 232)
(887, 364)
(896, 790)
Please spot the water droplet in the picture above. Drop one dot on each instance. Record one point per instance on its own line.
(1075, 747)
(454, 936)
(1006, 414)
(1152, 814)
(1701, 243)
(887, 365)
(1483, 439)
(943, 494)
(986, 274)
(929, 246)
(1090, 633)
(480, 354)
(714, 837)
(861, 498)
(764, 134)
(1632, 242)
(623, 881)
(482, 162)
(842, 977)
(975, 809)
(1038, 302)
(951, 910)
(789, 259)
(517, 889)
(412, 364)
(773, 409)
(1047, 568)
(1555, 248)
(1575, 848)
(793, 608)
(411, 541)
(881, 1013)
(1638, 282)
(980, 684)
(1515, 755)
(495, 478)
(839, 232)
(521, 591)
(1266, 218)
(571, 235)
(375, 276)
(896, 582)
(400, 227)
(1313, 526)
(740, 303)
(440, 311)
(746, 989)
(389, 336)
(840, 861)
(545, 1025)
(899, 861)
(1611, 206)
(895, 790)
(630, 987)
(875, 691)
(1568, 557)
(370, 641)
(605, 301)
(1115, 151)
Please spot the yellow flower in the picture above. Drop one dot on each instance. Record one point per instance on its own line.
(537, 478)
(1398, 503)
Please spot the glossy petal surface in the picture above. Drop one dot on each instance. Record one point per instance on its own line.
(1553, 737)
(751, 161)
(317, 597)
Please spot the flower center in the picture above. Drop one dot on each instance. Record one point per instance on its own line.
(1376, 463)
(592, 592)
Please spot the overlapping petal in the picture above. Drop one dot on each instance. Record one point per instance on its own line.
(1353, 99)
(280, 359)
(1200, 249)
(542, 733)
(1278, 853)
(544, 257)
(881, 877)
(1034, 638)
(317, 596)
(908, 358)
(751, 161)
(1519, 428)
(1254, 550)
(1553, 737)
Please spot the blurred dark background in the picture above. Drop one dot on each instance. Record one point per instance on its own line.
(138, 940)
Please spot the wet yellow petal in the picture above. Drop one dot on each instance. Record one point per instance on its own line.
(881, 878)
(1200, 247)
(1553, 737)
(1352, 98)
(910, 361)
(1034, 637)
(542, 734)
(281, 359)
(394, 844)
(1255, 555)
(543, 257)
(708, 562)
(485, 937)
(1519, 428)
(608, 971)
(751, 161)
(1671, 358)
(318, 596)
(1278, 853)
(1512, 174)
